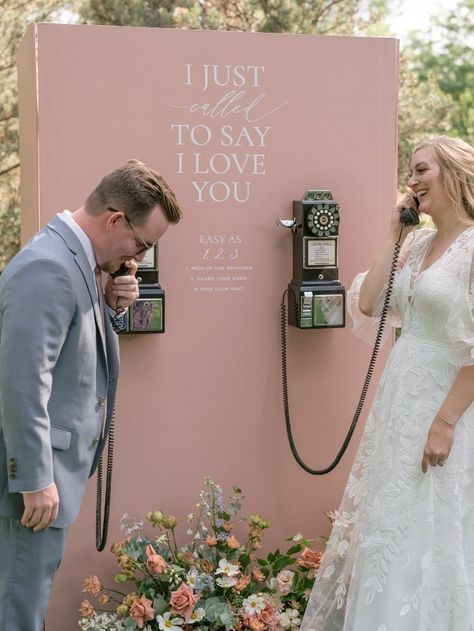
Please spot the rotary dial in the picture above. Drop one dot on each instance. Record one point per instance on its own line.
(323, 219)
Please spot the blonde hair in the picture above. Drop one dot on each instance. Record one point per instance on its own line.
(455, 158)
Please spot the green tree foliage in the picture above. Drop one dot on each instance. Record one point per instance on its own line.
(443, 61)
(424, 110)
(15, 15)
(337, 17)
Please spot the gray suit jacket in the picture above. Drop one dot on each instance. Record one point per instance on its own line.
(56, 372)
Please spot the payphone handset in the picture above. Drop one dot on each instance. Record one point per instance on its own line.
(315, 228)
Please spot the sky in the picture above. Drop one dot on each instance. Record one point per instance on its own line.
(416, 14)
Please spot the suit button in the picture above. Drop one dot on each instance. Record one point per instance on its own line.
(101, 400)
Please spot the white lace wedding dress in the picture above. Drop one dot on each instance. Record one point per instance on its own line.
(401, 553)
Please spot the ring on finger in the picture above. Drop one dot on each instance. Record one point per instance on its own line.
(441, 462)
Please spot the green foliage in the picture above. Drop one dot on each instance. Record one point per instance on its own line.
(449, 60)
(15, 15)
(335, 17)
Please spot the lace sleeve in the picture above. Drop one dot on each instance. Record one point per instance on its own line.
(467, 324)
(366, 327)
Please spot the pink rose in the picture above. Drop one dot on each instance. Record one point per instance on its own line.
(268, 615)
(310, 559)
(155, 563)
(183, 600)
(285, 581)
(142, 611)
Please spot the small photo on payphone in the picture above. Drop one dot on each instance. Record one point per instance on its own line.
(146, 314)
(328, 310)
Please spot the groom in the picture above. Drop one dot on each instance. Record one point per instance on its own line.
(59, 369)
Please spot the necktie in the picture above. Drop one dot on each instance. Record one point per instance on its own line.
(100, 293)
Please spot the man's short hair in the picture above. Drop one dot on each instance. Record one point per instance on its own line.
(135, 189)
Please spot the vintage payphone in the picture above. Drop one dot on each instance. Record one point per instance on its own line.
(319, 297)
(147, 313)
(316, 298)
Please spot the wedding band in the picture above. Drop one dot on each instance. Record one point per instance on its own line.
(441, 463)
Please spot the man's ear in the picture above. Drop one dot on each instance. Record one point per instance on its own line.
(113, 219)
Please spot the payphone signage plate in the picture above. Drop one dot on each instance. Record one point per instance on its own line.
(320, 252)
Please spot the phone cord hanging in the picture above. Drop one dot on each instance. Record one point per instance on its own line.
(102, 527)
(365, 387)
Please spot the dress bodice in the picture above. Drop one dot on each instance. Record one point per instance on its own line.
(436, 304)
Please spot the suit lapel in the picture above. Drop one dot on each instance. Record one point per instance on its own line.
(80, 257)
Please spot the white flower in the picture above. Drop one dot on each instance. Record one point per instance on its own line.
(166, 623)
(293, 616)
(189, 532)
(226, 581)
(227, 568)
(272, 584)
(253, 604)
(190, 517)
(284, 620)
(297, 537)
(196, 616)
(191, 577)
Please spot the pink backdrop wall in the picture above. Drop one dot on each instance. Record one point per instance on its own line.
(298, 112)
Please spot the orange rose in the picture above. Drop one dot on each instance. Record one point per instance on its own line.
(92, 585)
(86, 609)
(233, 543)
(155, 563)
(183, 600)
(188, 558)
(211, 540)
(258, 576)
(206, 566)
(142, 611)
(310, 559)
(228, 526)
(255, 624)
(242, 583)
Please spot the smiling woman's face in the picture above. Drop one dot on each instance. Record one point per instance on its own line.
(425, 182)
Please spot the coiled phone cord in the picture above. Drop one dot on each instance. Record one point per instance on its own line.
(365, 387)
(102, 527)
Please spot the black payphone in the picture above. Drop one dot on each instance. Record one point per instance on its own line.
(315, 286)
(316, 299)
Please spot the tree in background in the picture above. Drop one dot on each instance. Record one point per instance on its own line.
(446, 58)
(335, 17)
(15, 15)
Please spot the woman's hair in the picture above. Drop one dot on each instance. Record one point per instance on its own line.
(456, 161)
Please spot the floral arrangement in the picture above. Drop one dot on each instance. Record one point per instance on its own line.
(212, 582)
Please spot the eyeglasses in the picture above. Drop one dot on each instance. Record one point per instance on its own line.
(146, 245)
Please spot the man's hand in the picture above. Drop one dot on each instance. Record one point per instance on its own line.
(122, 291)
(438, 444)
(41, 508)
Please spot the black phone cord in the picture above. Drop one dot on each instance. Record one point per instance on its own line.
(365, 387)
(102, 526)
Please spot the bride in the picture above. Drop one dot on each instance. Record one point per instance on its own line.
(401, 553)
